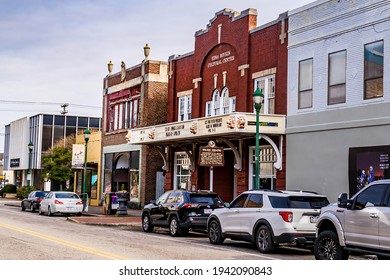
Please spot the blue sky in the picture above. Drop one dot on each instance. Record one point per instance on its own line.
(54, 52)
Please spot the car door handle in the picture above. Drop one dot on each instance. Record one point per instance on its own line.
(373, 215)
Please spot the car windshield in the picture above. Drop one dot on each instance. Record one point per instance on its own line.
(40, 194)
(206, 199)
(67, 195)
(302, 202)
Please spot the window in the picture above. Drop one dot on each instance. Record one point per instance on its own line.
(373, 195)
(267, 86)
(239, 201)
(267, 171)
(337, 77)
(185, 107)
(255, 201)
(220, 104)
(305, 87)
(124, 115)
(182, 171)
(373, 70)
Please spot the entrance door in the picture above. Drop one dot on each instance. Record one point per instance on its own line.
(160, 183)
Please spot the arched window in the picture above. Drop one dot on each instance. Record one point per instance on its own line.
(216, 103)
(220, 104)
(225, 101)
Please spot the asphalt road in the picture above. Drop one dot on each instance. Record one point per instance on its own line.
(29, 236)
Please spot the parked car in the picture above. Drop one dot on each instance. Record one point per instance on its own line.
(268, 218)
(33, 200)
(180, 211)
(360, 224)
(61, 202)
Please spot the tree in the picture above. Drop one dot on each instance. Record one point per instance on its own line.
(57, 164)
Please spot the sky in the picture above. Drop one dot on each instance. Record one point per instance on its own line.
(56, 52)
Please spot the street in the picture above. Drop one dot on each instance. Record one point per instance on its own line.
(29, 236)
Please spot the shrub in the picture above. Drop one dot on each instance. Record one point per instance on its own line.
(9, 188)
(23, 191)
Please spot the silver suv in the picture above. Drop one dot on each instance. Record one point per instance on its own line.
(268, 218)
(360, 224)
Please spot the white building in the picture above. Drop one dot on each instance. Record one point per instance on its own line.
(338, 119)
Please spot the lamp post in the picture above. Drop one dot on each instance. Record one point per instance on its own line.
(87, 134)
(258, 98)
(30, 148)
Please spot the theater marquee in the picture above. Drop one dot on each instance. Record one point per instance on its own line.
(236, 123)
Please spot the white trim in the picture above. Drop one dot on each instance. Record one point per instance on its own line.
(184, 93)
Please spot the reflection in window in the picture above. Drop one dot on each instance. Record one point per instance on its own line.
(373, 70)
(337, 77)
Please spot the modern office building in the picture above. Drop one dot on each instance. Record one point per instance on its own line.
(338, 123)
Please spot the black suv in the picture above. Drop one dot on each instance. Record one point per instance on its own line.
(33, 200)
(180, 211)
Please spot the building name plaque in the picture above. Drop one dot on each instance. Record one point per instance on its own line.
(211, 155)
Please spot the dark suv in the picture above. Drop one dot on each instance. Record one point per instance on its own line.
(33, 200)
(180, 211)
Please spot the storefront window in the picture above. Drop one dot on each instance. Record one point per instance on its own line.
(267, 170)
(134, 179)
(182, 171)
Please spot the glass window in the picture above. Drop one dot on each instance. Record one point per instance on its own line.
(337, 77)
(373, 195)
(255, 201)
(373, 70)
(83, 122)
(239, 201)
(232, 105)
(135, 117)
(71, 121)
(225, 104)
(134, 160)
(216, 103)
(305, 88)
(162, 198)
(209, 105)
(94, 123)
(59, 120)
(267, 87)
(185, 107)
(47, 119)
(267, 158)
(182, 171)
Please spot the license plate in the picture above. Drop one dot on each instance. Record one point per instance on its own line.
(313, 219)
(208, 211)
(69, 208)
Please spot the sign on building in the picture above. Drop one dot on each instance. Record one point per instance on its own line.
(78, 155)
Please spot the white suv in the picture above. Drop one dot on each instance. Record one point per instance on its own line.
(268, 218)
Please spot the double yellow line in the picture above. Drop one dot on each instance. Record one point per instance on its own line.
(71, 244)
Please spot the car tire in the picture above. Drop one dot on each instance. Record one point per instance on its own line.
(327, 247)
(215, 233)
(49, 213)
(174, 227)
(32, 209)
(146, 224)
(40, 211)
(264, 242)
(23, 208)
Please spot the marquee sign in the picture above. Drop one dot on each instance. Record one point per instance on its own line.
(236, 123)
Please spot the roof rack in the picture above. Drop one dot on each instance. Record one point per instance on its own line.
(266, 190)
(313, 192)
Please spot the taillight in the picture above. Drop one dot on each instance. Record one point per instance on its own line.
(191, 205)
(79, 202)
(57, 202)
(39, 199)
(286, 216)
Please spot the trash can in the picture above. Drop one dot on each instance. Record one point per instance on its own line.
(110, 203)
(122, 200)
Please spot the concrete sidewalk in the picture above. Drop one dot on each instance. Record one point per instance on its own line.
(95, 216)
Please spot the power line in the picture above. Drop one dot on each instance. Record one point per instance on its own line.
(18, 102)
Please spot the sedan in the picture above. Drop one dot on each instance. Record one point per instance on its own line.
(33, 200)
(61, 202)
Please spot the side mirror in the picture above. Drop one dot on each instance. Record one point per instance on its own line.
(226, 204)
(342, 201)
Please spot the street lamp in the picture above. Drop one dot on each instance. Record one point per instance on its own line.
(258, 98)
(87, 134)
(30, 148)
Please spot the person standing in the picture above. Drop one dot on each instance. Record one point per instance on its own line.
(370, 177)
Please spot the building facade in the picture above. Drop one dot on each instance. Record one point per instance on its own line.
(210, 101)
(133, 97)
(42, 131)
(338, 124)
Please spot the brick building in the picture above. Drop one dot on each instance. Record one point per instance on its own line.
(210, 98)
(133, 97)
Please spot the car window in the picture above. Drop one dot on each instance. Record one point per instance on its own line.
(206, 199)
(162, 198)
(40, 194)
(298, 202)
(239, 201)
(374, 194)
(67, 195)
(255, 201)
(173, 197)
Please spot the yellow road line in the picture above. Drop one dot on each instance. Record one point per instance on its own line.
(77, 246)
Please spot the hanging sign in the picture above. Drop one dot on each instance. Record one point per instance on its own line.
(211, 155)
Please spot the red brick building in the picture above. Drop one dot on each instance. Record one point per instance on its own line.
(210, 98)
(134, 97)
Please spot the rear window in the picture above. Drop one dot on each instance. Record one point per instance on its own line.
(206, 199)
(66, 195)
(302, 202)
(40, 194)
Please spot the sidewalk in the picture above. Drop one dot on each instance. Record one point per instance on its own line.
(94, 216)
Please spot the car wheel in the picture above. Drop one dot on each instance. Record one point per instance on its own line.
(23, 208)
(32, 209)
(146, 224)
(327, 247)
(174, 227)
(78, 214)
(264, 240)
(215, 233)
(49, 213)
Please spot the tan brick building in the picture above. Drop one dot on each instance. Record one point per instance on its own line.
(134, 97)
